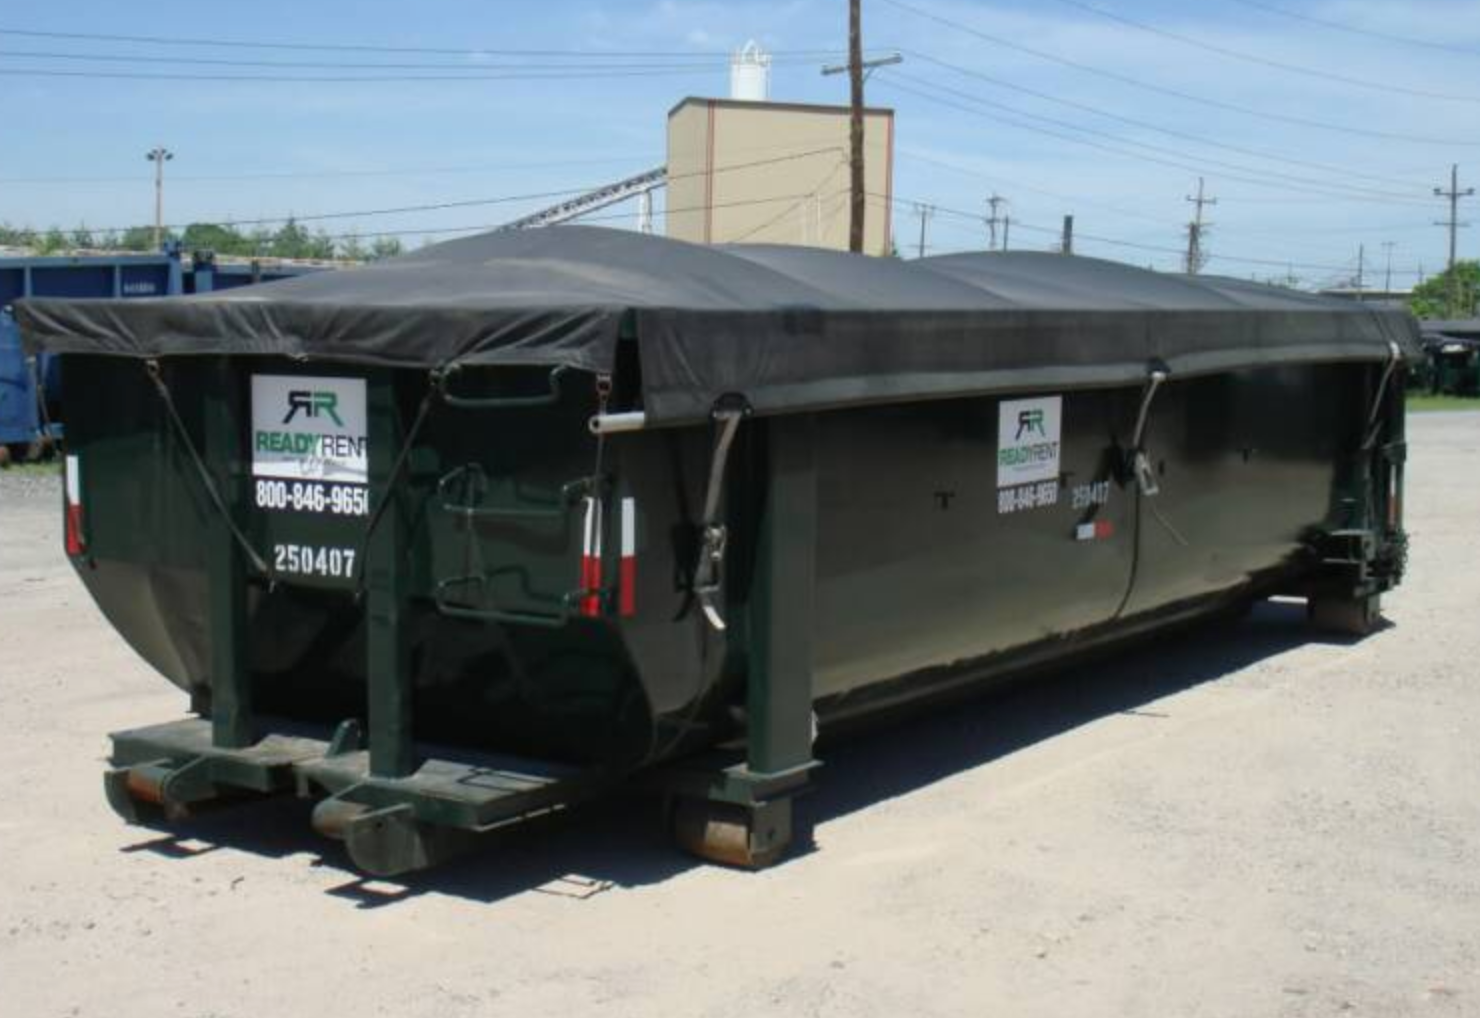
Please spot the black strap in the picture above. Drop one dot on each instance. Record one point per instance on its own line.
(433, 381)
(152, 368)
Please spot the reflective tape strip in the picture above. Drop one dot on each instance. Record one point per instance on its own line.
(1095, 531)
(627, 580)
(72, 471)
(591, 559)
(74, 481)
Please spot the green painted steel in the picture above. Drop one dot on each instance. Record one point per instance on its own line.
(873, 557)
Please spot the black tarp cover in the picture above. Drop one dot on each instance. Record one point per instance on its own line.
(788, 328)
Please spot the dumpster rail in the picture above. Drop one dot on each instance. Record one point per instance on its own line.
(388, 825)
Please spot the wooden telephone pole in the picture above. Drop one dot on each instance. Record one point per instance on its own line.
(856, 198)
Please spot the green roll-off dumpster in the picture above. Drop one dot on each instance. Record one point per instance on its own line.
(465, 537)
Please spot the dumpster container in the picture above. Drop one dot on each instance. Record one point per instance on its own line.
(30, 387)
(19, 408)
(464, 537)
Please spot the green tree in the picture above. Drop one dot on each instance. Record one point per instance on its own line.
(16, 236)
(385, 247)
(1446, 296)
(53, 242)
(82, 237)
(223, 240)
(137, 238)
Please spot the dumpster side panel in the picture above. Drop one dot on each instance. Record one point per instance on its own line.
(18, 407)
(921, 569)
(928, 566)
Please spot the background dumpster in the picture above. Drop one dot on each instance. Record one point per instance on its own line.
(466, 536)
(30, 389)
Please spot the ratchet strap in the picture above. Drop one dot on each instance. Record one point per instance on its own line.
(1144, 476)
(713, 535)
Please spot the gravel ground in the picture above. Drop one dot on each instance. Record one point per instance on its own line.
(1241, 822)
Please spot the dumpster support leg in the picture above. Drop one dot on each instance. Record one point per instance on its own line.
(388, 670)
(747, 819)
(232, 723)
(780, 689)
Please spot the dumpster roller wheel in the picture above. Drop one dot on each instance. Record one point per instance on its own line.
(390, 841)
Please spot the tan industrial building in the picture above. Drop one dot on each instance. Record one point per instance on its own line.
(741, 171)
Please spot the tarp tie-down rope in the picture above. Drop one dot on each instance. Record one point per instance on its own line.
(434, 385)
(151, 368)
(714, 535)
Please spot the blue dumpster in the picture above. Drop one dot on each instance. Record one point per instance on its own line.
(30, 391)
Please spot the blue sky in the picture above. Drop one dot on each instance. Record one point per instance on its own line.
(72, 150)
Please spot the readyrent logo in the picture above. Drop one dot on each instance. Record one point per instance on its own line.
(298, 443)
(1029, 421)
(309, 428)
(312, 403)
(1028, 440)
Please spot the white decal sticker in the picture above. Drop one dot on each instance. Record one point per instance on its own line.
(1028, 440)
(1028, 496)
(309, 429)
(1095, 493)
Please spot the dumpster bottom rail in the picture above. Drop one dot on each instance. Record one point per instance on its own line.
(717, 808)
(389, 826)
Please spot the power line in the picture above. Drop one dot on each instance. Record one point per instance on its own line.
(1148, 125)
(606, 217)
(1125, 79)
(704, 62)
(1337, 26)
(533, 75)
(1018, 184)
(471, 202)
(1254, 58)
(315, 174)
(474, 52)
(902, 201)
(1176, 159)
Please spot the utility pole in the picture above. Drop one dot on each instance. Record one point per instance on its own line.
(645, 212)
(925, 212)
(1006, 227)
(1454, 194)
(858, 70)
(856, 204)
(1387, 272)
(1361, 269)
(1066, 246)
(992, 220)
(159, 155)
(1196, 229)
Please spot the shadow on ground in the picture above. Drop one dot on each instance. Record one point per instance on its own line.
(620, 842)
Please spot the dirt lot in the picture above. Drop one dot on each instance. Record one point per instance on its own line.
(1241, 822)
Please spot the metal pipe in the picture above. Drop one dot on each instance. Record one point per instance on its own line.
(612, 424)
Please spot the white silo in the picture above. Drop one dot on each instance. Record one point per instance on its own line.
(750, 74)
